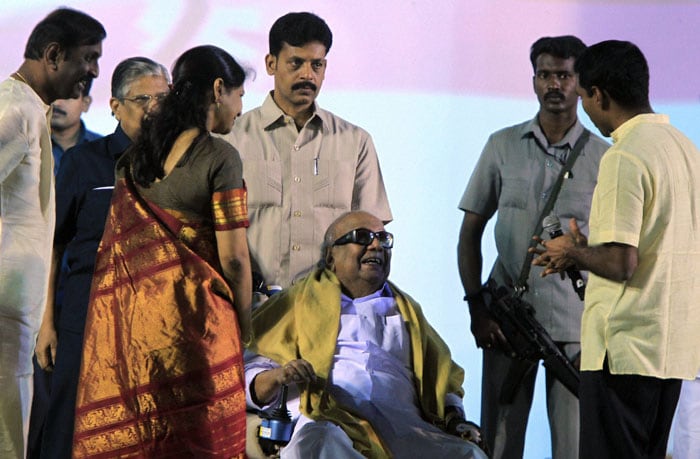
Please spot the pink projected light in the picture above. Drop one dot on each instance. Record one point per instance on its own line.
(477, 47)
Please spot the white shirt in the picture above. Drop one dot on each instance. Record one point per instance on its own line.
(372, 363)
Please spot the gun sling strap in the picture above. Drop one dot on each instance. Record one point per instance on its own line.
(521, 284)
(558, 362)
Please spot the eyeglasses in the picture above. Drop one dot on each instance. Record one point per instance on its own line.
(363, 236)
(144, 100)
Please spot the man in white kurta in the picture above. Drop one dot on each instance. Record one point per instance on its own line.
(26, 232)
(60, 58)
(376, 379)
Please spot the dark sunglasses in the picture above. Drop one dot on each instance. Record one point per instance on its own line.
(365, 237)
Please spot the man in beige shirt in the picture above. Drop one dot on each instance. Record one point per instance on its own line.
(303, 166)
(60, 58)
(639, 331)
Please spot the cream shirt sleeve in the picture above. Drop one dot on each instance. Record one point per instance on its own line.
(369, 193)
(618, 209)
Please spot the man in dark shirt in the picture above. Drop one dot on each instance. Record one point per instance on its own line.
(67, 127)
(84, 187)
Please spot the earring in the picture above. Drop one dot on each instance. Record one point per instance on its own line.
(218, 105)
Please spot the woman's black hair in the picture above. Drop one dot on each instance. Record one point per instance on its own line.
(185, 107)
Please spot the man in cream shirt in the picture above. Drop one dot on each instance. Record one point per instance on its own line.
(639, 331)
(303, 166)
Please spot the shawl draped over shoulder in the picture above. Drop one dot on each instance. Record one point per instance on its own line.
(303, 322)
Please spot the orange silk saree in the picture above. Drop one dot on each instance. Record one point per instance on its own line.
(162, 371)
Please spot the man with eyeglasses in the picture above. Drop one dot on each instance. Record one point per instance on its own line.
(84, 187)
(374, 379)
(514, 177)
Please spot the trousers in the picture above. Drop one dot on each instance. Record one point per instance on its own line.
(504, 425)
(625, 416)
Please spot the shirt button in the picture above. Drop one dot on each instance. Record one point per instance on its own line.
(297, 213)
(297, 179)
(548, 163)
(544, 195)
(296, 147)
(296, 247)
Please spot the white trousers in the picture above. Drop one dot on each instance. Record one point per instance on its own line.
(325, 440)
(319, 440)
(686, 433)
(17, 339)
(15, 403)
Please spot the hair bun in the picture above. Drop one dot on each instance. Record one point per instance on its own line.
(182, 87)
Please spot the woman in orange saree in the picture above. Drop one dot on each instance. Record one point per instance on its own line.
(162, 371)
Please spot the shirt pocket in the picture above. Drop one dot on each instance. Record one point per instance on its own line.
(395, 340)
(334, 183)
(574, 200)
(514, 192)
(264, 183)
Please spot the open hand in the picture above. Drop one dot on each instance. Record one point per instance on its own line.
(552, 254)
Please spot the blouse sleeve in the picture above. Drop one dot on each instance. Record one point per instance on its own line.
(227, 170)
(229, 198)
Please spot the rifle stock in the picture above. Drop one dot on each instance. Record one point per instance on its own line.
(529, 340)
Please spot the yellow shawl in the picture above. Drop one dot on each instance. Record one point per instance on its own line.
(303, 322)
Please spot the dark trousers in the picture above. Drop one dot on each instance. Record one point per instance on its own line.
(57, 442)
(625, 416)
(504, 424)
(40, 405)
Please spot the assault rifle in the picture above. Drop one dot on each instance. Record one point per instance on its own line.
(529, 340)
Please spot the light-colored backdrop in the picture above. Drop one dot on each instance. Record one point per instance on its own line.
(429, 79)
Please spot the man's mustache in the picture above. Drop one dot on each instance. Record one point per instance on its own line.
(555, 94)
(304, 85)
(59, 111)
